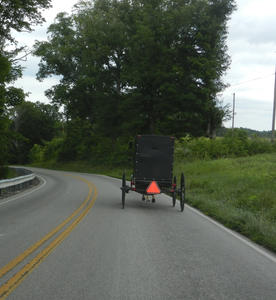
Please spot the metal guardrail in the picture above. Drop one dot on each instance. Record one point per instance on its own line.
(25, 179)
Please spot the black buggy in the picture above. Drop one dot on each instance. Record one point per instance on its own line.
(153, 170)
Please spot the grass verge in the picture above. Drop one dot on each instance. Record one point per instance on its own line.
(239, 193)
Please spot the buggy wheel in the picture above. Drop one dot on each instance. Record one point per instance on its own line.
(131, 181)
(123, 188)
(182, 192)
(174, 192)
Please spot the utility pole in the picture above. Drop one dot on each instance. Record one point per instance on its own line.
(233, 118)
(274, 108)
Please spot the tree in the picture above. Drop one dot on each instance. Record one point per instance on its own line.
(9, 96)
(90, 65)
(32, 123)
(19, 16)
(180, 47)
(148, 66)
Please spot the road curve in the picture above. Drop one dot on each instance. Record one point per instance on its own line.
(70, 239)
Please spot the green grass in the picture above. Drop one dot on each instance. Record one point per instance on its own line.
(240, 192)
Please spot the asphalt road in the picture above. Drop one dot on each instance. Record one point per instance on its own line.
(69, 239)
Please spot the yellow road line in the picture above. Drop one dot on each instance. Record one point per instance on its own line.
(35, 246)
(15, 280)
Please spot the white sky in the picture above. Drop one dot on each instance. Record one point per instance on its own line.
(252, 47)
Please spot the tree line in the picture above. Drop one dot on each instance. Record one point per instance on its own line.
(250, 132)
(128, 67)
(18, 16)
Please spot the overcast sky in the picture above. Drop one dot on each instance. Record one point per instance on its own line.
(252, 47)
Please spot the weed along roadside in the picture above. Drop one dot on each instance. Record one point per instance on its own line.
(238, 192)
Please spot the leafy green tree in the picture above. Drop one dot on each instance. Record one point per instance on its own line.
(33, 123)
(91, 86)
(148, 66)
(20, 15)
(78, 141)
(16, 15)
(9, 96)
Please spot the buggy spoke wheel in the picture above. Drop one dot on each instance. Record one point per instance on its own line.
(182, 192)
(174, 192)
(123, 190)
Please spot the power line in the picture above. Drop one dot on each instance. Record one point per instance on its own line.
(250, 80)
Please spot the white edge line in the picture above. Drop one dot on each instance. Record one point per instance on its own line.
(26, 194)
(234, 234)
(251, 244)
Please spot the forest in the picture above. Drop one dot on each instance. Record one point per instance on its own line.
(125, 67)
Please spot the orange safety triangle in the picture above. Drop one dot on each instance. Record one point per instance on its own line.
(153, 188)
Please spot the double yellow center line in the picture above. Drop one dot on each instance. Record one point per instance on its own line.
(19, 276)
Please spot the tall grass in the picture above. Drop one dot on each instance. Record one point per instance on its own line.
(240, 193)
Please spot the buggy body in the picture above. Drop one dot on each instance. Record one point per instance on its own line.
(153, 169)
(153, 161)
